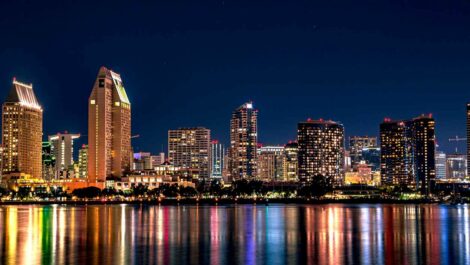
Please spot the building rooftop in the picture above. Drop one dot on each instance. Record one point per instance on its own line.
(23, 93)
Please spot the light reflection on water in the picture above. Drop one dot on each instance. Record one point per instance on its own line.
(243, 234)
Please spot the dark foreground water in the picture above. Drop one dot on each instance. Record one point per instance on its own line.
(243, 234)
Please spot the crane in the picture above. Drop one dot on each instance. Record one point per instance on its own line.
(457, 139)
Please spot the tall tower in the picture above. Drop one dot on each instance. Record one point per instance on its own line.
(243, 142)
(321, 146)
(109, 127)
(189, 148)
(22, 131)
(62, 148)
(217, 159)
(408, 153)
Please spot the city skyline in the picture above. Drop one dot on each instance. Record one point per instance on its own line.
(334, 63)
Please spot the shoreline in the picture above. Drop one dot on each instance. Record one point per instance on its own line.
(225, 202)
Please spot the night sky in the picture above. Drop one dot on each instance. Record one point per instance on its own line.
(190, 63)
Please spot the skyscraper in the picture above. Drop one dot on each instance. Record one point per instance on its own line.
(189, 148)
(48, 161)
(456, 166)
(321, 146)
(62, 148)
(356, 144)
(83, 161)
(441, 162)
(217, 159)
(22, 131)
(270, 163)
(243, 142)
(109, 127)
(408, 152)
(290, 161)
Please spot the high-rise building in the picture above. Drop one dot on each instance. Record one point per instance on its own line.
(321, 149)
(62, 148)
(408, 152)
(270, 163)
(356, 144)
(22, 131)
(83, 161)
(456, 166)
(290, 161)
(441, 162)
(243, 142)
(189, 148)
(217, 159)
(48, 161)
(109, 127)
(371, 156)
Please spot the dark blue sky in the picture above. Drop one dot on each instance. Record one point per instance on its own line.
(190, 63)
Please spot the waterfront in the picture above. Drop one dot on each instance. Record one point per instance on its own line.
(235, 234)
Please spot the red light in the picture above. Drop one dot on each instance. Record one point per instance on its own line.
(309, 119)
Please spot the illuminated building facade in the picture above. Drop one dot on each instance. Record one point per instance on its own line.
(468, 131)
(62, 148)
(270, 163)
(371, 156)
(441, 161)
(456, 166)
(189, 148)
(109, 128)
(408, 153)
(243, 142)
(83, 161)
(22, 131)
(48, 161)
(356, 144)
(217, 159)
(321, 150)
(290, 161)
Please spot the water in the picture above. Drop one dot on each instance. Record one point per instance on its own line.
(243, 234)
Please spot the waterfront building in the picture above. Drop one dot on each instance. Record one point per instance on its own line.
(441, 164)
(48, 161)
(321, 150)
(290, 161)
(62, 148)
(83, 162)
(371, 156)
(408, 153)
(109, 127)
(217, 159)
(357, 144)
(456, 166)
(158, 159)
(270, 163)
(189, 148)
(243, 142)
(22, 132)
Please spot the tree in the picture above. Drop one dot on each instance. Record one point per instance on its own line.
(215, 188)
(139, 190)
(187, 191)
(89, 192)
(317, 187)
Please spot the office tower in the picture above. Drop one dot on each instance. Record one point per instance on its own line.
(371, 156)
(62, 148)
(243, 142)
(441, 162)
(456, 166)
(22, 131)
(83, 161)
(356, 144)
(48, 161)
(408, 152)
(321, 146)
(158, 159)
(217, 159)
(270, 163)
(109, 127)
(290, 161)
(189, 148)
